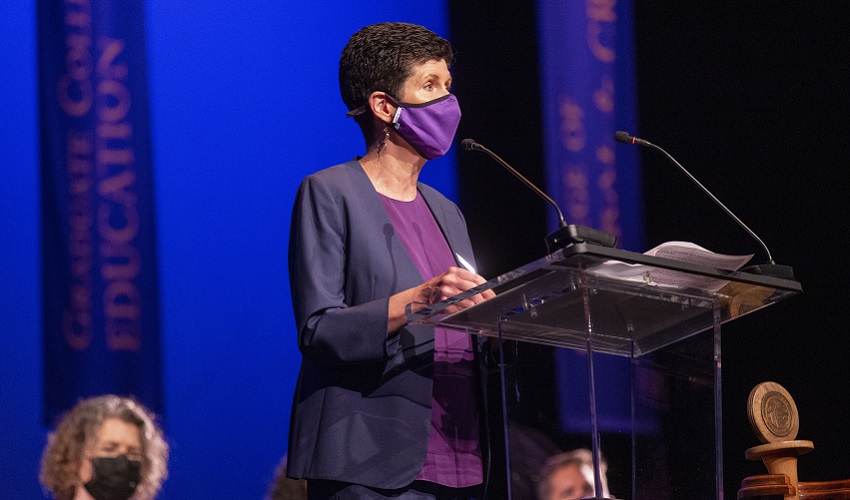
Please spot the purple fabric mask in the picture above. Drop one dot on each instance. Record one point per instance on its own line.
(429, 127)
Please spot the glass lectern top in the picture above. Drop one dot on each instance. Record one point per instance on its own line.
(625, 303)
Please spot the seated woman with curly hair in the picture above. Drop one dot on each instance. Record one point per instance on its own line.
(105, 448)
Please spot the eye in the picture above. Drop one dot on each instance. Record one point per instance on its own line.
(108, 447)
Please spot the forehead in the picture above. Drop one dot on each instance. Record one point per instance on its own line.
(428, 69)
(115, 430)
(568, 476)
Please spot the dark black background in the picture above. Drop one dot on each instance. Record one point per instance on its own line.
(752, 98)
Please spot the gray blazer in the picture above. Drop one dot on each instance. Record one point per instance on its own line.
(362, 406)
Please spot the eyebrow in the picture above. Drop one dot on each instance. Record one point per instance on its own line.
(116, 443)
(437, 77)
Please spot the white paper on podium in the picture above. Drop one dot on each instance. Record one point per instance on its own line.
(682, 251)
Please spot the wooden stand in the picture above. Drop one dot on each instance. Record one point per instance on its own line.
(781, 458)
(773, 415)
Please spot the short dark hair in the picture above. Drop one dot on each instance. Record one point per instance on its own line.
(380, 57)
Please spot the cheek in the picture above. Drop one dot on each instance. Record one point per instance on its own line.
(85, 471)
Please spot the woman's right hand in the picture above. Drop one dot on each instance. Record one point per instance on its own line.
(452, 282)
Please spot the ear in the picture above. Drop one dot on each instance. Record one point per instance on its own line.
(382, 108)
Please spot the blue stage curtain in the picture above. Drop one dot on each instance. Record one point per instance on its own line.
(99, 271)
(588, 94)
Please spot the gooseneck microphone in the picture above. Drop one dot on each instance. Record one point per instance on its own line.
(471, 145)
(769, 269)
(566, 233)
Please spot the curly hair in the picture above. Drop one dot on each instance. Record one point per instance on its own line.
(77, 429)
(381, 57)
(284, 488)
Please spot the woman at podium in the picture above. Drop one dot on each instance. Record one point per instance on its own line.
(384, 408)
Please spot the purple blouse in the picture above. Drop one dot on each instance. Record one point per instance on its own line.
(454, 455)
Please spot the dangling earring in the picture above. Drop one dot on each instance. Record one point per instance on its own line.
(382, 145)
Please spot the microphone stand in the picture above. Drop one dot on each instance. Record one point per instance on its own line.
(771, 268)
(566, 234)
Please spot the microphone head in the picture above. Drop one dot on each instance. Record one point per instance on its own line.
(621, 136)
(469, 144)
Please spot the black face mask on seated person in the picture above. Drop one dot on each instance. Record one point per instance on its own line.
(114, 478)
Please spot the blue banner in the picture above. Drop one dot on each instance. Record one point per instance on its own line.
(588, 94)
(99, 271)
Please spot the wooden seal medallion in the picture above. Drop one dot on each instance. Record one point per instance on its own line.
(772, 413)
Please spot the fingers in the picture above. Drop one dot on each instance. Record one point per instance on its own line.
(456, 280)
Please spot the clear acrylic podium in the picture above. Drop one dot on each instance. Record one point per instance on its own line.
(580, 298)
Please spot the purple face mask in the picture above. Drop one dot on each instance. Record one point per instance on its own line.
(429, 127)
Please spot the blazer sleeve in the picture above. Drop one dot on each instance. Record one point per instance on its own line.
(332, 327)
